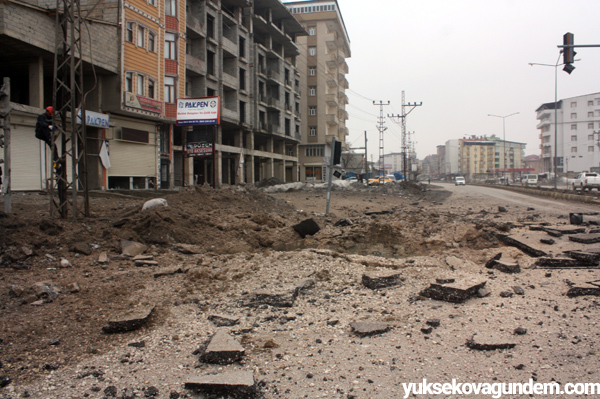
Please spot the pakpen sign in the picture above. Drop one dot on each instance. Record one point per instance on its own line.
(199, 111)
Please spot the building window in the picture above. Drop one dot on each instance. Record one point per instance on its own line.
(151, 93)
(151, 38)
(574, 115)
(574, 138)
(140, 36)
(169, 90)
(140, 85)
(242, 47)
(574, 104)
(591, 148)
(573, 149)
(591, 125)
(210, 26)
(314, 173)
(590, 137)
(312, 71)
(171, 8)
(314, 150)
(312, 31)
(242, 111)
(152, 2)
(129, 82)
(312, 50)
(170, 47)
(312, 91)
(129, 33)
(242, 79)
(591, 114)
(574, 126)
(312, 111)
(591, 103)
(312, 131)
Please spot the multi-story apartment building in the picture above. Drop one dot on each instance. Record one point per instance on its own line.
(571, 129)
(323, 69)
(140, 56)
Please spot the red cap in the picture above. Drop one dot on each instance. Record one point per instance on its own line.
(50, 110)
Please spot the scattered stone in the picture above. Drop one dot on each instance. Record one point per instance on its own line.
(170, 272)
(223, 321)
(445, 280)
(433, 322)
(510, 268)
(576, 218)
(103, 258)
(490, 342)
(151, 392)
(4, 381)
(585, 238)
(54, 342)
(426, 330)
(483, 292)
(73, 288)
(15, 291)
(506, 294)
(120, 223)
(239, 384)
(520, 331)
(305, 286)
(110, 391)
(270, 344)
(518, 290)
(222, 349)
(502, 209)
(139, 263)
(378, 213)
(132, 248)
(128, 394)
(27, 251)
(333, 322)
(548, 241)
(307, 227)
(367, 328)
(457, 292)
(536, 253)
(155, 203)
(82, 248)
(281, 300)
(343, 223)
(490, 263)
(45, 291)
(377, 282)
(188, 249)
(129, 321)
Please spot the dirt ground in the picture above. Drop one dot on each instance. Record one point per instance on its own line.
(209, 250)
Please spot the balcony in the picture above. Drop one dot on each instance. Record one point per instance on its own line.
(230, 81)
(543, 123)
(195, 65)
(272, 102)
(331, 100)
(332, 120)
(195, 24)
(229, 46)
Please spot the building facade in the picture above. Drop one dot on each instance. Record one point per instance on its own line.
(144, 55)
(573, 124)
(323, 69)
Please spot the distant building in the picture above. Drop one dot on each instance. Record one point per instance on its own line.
(574, 125)
(322, 73)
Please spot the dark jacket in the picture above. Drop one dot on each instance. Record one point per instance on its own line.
(42, 128)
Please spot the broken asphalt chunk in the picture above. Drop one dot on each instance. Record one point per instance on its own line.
(237, 384)
(376, 282)
(222, 349)
(129, 321)
(589, 256)
(585, 238)
(513, 242)
(132, 248)
(307, 227)
(503, 267)
(280, 300)
(559, 231)
(563, 262)
(368, 328)
(583, 291)
(455, 292)
(170, 272)
(223, 320)
(489, 342)
(188, 249)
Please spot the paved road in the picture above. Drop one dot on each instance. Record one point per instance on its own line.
(476, 194)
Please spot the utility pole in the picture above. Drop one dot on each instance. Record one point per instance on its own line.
(381, 128)
(69, 104)
(402, 117)
(5, 141)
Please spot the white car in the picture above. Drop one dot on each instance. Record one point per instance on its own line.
(460, 181)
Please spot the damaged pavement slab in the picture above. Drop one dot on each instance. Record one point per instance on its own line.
(456, 292)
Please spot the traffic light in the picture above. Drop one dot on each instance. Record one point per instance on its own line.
(337, 153)
(568, 52)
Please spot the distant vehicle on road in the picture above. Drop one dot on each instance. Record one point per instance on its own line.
(382, 180)
(530, 180)
(586, 180)
(460, 181)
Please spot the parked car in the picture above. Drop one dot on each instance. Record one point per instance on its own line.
(460, 181)
(587, 180)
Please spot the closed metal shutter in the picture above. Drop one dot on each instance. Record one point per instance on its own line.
(132, 159)
(26, 159)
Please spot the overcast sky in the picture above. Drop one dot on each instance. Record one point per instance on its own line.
(463, 59)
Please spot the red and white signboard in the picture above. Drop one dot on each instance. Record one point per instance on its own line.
(199, 111)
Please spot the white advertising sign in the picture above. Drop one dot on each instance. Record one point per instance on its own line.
(199, 111)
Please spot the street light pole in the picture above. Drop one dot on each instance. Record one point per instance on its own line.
(555, 66)
(504, 141)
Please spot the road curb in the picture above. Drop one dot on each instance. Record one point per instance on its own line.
(588, 199)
